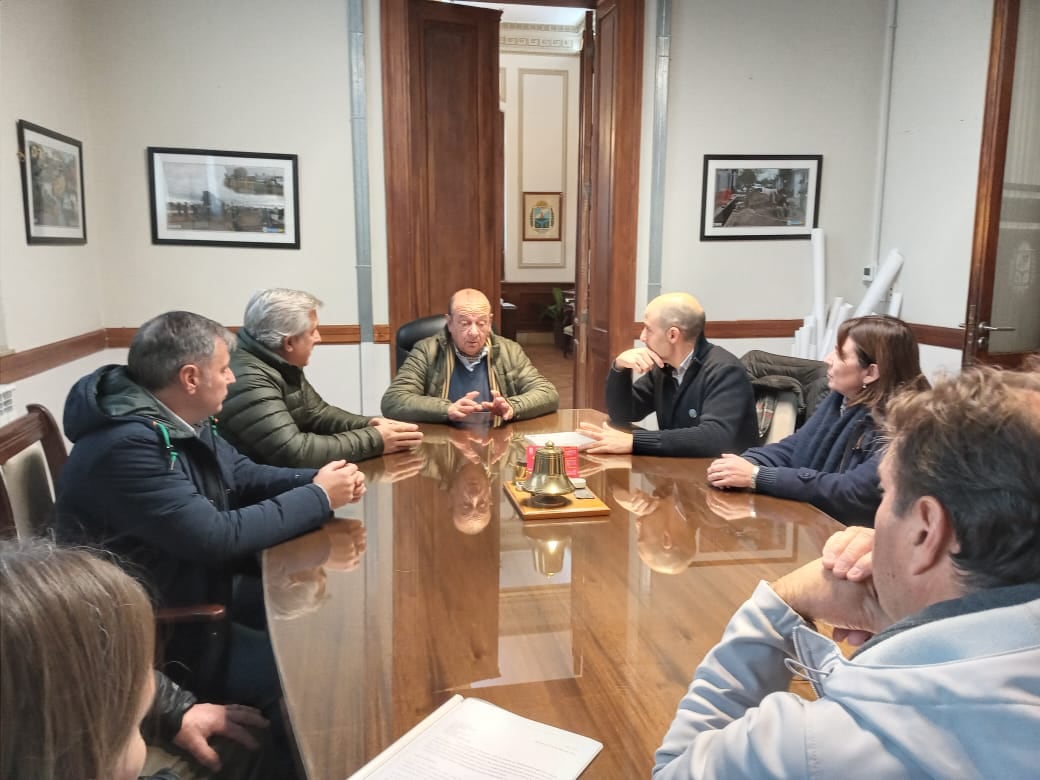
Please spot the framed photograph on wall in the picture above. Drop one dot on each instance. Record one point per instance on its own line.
(202, 196)
(542, 216)
(747, 197)
(52, 186)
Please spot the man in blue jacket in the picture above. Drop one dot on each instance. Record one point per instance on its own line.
(149, 479)
(701, 393)
(948, 584)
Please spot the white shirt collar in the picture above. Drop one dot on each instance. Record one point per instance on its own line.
(470, 363)
(680, 370)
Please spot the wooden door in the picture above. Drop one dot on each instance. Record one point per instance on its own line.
(582, 244)
(1002, 320)
(443, 146)
(608, 313)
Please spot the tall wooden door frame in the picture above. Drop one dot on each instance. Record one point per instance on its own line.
(443, 168)
(992, 157)
(614, 196)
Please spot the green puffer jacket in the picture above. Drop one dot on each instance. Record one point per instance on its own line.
(419, 392)
(273, 415)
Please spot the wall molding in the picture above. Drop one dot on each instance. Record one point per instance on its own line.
(29, 362)
(26, 363)
(938, 336)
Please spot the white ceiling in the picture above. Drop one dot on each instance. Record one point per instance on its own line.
(533, 14)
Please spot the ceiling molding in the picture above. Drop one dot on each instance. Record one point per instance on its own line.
(523, 38)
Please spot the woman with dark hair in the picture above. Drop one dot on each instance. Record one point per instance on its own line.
(831, 462)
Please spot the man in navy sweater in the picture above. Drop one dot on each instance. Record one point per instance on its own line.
(701, 393)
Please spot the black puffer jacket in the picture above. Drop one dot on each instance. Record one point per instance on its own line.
(772, 373)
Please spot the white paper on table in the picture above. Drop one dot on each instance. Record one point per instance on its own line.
(561, 439)
(469, 739)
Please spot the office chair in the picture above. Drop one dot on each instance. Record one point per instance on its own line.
(411, 333)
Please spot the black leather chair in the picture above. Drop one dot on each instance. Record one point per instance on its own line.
(411, 333)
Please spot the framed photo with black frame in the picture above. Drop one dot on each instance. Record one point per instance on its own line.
(220, 198)
(763, 197)
(52, 186)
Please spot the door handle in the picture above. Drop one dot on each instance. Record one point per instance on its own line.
(983, 329)
(990, 328)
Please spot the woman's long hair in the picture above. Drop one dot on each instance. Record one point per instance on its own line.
(77, 637)
(891, 345)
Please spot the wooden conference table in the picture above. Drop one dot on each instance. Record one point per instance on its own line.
(441, 588)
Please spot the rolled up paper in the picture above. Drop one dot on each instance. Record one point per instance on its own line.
(819, 282)
(885, 276)
(895, 305)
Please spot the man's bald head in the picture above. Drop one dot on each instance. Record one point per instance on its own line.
(678, 310)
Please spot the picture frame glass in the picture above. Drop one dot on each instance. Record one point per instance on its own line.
(52, 186)
(760, 197)
(542, 216)
(224, 198)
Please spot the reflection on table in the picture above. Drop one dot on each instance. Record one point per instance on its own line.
(594, 625)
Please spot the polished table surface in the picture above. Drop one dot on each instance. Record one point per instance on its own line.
(433, 585)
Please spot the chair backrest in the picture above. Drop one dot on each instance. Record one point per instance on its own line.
(411, 333)
(32, 453)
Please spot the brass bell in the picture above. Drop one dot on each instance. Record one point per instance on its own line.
(548, 483)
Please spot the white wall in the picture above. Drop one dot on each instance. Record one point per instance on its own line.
(541, 155)
(785, 77)
(935, 130)
(47, 292)
(242, 75)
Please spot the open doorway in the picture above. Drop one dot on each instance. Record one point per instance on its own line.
(444, 146)
(540, 87)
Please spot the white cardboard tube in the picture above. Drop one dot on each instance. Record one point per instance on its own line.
(895, 305)
(819, 283)
(885, 276)
(827, 339)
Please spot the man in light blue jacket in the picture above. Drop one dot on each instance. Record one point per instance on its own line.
(949, 589)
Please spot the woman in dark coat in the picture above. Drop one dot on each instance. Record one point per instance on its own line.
(831, 462)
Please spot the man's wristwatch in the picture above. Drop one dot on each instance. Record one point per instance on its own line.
(754, 477)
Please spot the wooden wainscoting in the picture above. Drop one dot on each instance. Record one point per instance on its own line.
(530, 299)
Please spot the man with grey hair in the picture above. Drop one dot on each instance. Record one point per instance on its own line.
(273, 414)
(701, 393)
(149, 479)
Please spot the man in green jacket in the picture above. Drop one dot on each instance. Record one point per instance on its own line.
(274, 415)
(468, 374)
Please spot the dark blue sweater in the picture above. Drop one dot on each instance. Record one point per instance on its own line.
(830, 462)
(712, 412)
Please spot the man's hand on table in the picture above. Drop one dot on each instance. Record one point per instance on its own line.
(838, 588)
(397, 435)
(342, 482)
(608, 440)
